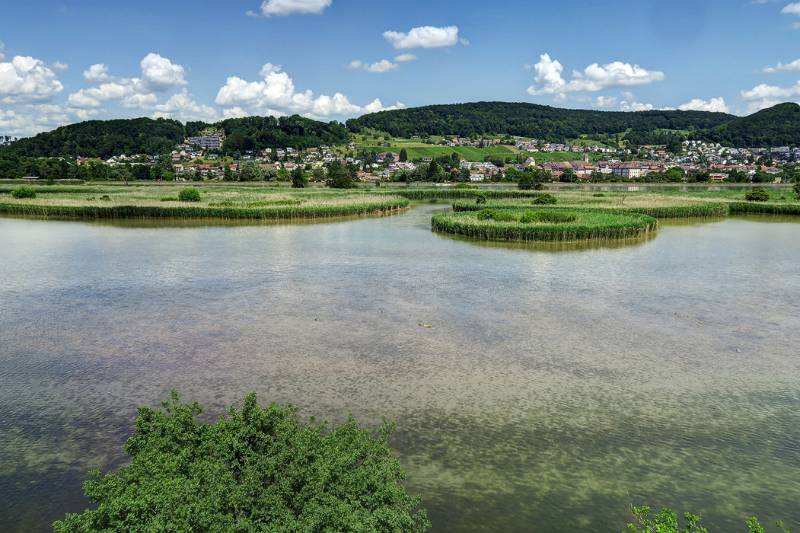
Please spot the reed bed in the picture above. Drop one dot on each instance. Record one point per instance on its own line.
(685, 210)
(741, 208)
(531, 225)
(355, 206)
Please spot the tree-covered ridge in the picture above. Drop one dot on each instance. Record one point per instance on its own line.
(106, 138)
(776, 126)
(257, 133)
(101, 138)
(529, 120)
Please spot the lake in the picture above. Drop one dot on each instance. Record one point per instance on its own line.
(535, 388)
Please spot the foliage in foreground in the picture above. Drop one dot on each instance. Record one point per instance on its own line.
(258, 469)
(666, 521)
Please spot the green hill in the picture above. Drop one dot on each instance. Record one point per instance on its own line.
(105, 138)
(775, 126)
(530, 120)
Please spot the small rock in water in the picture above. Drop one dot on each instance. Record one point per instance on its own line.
(426, 326)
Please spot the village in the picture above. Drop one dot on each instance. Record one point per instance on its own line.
(203, 158)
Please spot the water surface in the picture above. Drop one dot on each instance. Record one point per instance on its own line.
(535, 388)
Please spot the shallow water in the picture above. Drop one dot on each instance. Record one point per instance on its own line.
(555, 386)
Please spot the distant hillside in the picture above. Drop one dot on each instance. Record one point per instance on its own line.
(105, 138)
(775, 126)
(257, 133)
(529, 120)
(101, 138)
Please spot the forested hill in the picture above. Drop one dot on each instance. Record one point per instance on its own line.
(101, 138)
(105, 138)
(529, 120)
(776, 126)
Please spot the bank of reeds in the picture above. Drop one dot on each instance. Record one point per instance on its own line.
(526, 226)
(287, 212)
(699, 209)
(741, 208)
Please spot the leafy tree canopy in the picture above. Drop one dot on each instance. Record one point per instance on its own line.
(258, 469)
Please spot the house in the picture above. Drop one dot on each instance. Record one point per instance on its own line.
(717, 176)
(631, 171)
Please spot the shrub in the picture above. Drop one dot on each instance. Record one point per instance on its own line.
(545, 199)
(256, 469)
(105, 198)
(598, 195)
(757, 194)
(797, 188)
(24, 192)
(169, 199)
(189, 195)
(480, 199)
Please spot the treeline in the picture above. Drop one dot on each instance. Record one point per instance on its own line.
(529, 120)
(258, 133)
(100, 138)
(106, 138)
(776, 126)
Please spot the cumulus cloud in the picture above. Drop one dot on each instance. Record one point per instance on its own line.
(276, 92)
(159, 73)
(29, 119)
(97, 73)
(423, 37)
(405, 58)
(182, 106)
(793, 65)
(58, 65)
(278, 8)
(763, 95)
(791, 9)
(384, 65)
(597, 77)
(716, 105)
(25, 78)
(549, 77)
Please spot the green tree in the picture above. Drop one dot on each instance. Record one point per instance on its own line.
(249, 171)
(227, 174)
(339, 176)
(257, 469)
(299, 178)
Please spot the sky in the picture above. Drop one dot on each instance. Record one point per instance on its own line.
(64, 61)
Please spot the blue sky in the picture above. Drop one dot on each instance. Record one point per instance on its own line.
(64, 61)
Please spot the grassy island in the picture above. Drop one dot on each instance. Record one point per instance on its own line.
(544, 224)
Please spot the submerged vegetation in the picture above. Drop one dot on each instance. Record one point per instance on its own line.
(666, 521)
(258, 469)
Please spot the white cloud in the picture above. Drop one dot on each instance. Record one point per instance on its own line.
(97, 73)
(384, 65)
(160, 73)
(404, 58)
(615, 74)
(277, 8)
(549, 77)
(716, 105)
(793, 65)
(605, 102)
(762, 96)
(25, 78)
(182, 106)
(30, 119)
(791, 9)
(423, 37)
(276, 92)
(635, 106)
(58, 65)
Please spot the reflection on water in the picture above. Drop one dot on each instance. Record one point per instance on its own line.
(552, 391)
